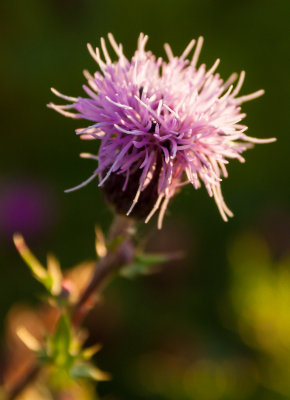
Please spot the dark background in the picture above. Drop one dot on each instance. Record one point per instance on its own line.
(165, 332)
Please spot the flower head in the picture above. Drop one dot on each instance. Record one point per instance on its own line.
(161, 124)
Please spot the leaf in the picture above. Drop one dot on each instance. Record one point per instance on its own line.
(86, 370)
(153, 258)
(114, 244)
(28, 339)
(61, 342)
(143, 264)
(90, 351)
(35, 266)
(54, 271)
(100, 243)
(51, 278)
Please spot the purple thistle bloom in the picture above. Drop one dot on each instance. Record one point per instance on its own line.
(162, 124)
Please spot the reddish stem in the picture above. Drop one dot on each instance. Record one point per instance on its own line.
(122, 254)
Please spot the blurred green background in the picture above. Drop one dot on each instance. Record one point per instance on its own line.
(216, 325)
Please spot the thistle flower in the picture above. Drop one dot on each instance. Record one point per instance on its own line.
(162, 124)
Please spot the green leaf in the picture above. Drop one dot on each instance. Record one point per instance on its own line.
(35, 266)
(86, 370)
(144, 264)
(28, 339)
(89, 352)
(61, 343)
(55, 275)
(153, 258)
(115, 243)
(100, 243)
(51, 277)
